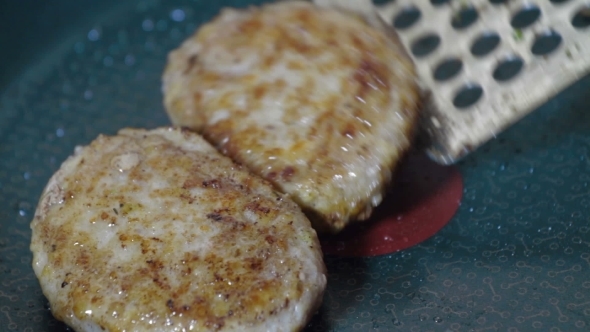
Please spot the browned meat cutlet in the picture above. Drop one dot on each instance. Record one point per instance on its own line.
(312, 99)
(157, 231)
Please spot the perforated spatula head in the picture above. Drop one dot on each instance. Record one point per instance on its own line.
(485, 64)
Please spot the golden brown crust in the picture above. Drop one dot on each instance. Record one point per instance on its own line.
(314, 100)
(156, 231)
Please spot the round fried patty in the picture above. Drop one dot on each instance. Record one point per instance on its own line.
(313, 99)
(157, 231)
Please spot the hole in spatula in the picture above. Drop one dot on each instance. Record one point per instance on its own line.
(485, 43)
(498, 2)
(464, 18)
(381, 2)
(406, 18)
(546, 42)
(525, 17)
(468, 95)
(447, 69)
(438, 2)
(425, 45)
(508, 68)
(582, 18)
(559, 1)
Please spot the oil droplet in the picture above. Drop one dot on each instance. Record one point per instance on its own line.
(94, 35)
(177, 15)
(437, 319)
(129, 60)
(23, 208)
(147, 25)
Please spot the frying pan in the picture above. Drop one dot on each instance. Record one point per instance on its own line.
(498, 242)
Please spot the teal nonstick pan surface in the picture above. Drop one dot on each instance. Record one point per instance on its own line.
(498, 242)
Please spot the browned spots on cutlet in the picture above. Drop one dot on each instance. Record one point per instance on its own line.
(250, 26)
(270, 239)
(287, 173)
(192, 60)
(191, 183)
(213, 183)
(187, 197)
(349, 131)
(197, 97)
(259, 91)
(215, 216)
(295, 65)
(371, 75)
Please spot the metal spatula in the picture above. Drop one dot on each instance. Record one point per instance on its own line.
(484, 63)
